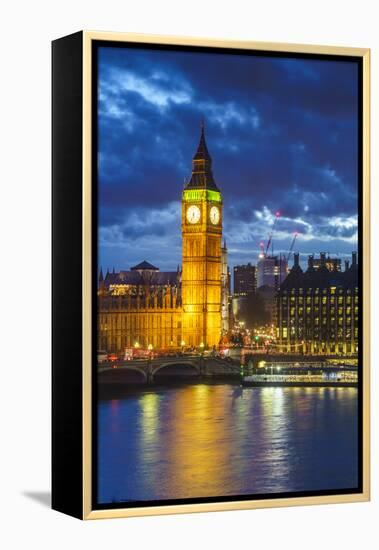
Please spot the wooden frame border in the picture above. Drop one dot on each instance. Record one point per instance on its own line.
(364, 53)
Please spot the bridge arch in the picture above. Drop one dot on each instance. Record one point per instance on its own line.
(120, 373)
(176, 366)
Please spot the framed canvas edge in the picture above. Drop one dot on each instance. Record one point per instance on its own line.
(364, 496)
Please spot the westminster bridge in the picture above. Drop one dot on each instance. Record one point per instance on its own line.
(151, 370)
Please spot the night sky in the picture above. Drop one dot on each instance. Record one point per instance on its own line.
(282, 134)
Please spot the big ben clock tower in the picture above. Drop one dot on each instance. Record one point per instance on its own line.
(201, 268)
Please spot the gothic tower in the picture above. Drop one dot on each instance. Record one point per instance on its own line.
(201, 269)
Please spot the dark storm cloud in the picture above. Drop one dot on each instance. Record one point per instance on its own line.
(282, 133)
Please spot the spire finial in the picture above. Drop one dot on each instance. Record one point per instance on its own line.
(202, 176)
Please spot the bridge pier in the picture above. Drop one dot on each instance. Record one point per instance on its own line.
(149, 374)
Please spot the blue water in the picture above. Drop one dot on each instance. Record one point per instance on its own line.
(214, 440)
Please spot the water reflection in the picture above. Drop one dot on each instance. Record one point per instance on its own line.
(213, 440)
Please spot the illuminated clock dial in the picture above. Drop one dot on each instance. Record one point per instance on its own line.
(214, 215)
(193, 214)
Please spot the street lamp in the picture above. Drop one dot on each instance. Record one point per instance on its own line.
(150, 350)
(182, 343)
(136, 345)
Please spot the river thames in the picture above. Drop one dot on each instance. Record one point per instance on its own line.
(206, 440)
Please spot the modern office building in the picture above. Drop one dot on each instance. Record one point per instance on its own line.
(271, 271)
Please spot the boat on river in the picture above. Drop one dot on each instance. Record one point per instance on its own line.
(322, 380)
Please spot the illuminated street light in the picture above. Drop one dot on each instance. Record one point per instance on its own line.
(150, 347)
(136, 345)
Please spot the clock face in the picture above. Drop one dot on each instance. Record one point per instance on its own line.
(214, 215)
(193, 214)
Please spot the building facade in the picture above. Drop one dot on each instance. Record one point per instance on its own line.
(332, 264)
(271, 271)
(139, 308)
(145, 307)
(318, 309)
(244, 279)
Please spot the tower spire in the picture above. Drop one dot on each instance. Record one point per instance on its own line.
(202, 175)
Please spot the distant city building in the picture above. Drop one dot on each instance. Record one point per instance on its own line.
(332, 264)
(271, 271)
(244, 285)
(268, 297)
(318, 310)
(244, 279)
(237, 305)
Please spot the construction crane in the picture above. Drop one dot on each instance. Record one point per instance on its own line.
(277, 215)
(292, 245)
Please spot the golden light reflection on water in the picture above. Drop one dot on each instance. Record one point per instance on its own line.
(210, 440)
(197, 446)
(149, 417)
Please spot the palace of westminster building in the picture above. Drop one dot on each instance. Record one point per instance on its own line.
(187, 307)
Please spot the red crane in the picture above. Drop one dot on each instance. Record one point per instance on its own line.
(277, 215)
(292, 245)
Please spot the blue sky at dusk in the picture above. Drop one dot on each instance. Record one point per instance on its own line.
(282, 134)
